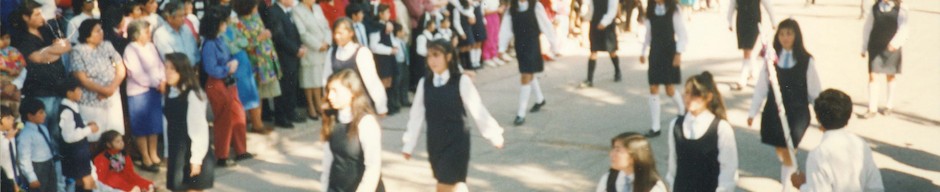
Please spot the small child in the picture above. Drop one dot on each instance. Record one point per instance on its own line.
(11, 68)
(446, 32)
(8, 150)
(631, 160)
(75, 132)
(116, 169)
(39, 158)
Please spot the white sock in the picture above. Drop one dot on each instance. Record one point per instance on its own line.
(872, 97)
(539, 97)
(461, 187)
(890, 102)
(677, 97)
(475, 56)
(654, 111)
(745, 71)
(785, 172)
(524, 93)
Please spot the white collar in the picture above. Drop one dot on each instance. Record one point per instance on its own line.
(174, 92)
(704, 116)
(829, 133)
(427, 33)
(445, 76)
(70, 104)
(344, 115)
(286, 9)
(351, 46)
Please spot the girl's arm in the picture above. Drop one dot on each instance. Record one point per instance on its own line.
(422, 46)
(813, 86)
(731, 8)
(682, 37)
(649, 36)
(415, 121)
(903, 30)
(760, 91)
(371, 139)
(671, 161)
(505, 31)
(326, 164)
(375, 46)
(602, 184)
(608, 17)
(370, 78)
(70, 131)
(198, 128)
(545, 25)
(455, 22)
(866, 31)
(488, 126)
(768, 5)
(727, 158)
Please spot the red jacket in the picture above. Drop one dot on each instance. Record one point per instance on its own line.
(124, 180)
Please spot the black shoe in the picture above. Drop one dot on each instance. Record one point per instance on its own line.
(519, 121)
(283, 124)
(225, 163)
(618, 77)
(150, 168)
(652, 133)
(245, 156)
(586, 84)
(537, 107)
(867, 115)
(315, 118)
(298, 119)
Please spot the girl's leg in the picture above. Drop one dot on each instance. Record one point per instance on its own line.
(144, 150)
(524, 93)
(889, 104)
(616, 62)
(539, 97)
(676, 96)
(745, 70)
(311, 105)
(476, 54)
(387, 82)
(592, 65)
(786, 168)
(317, 97)
(445, 187)
(654, 109)
(872, 95)
(152, 149)
(88, 183)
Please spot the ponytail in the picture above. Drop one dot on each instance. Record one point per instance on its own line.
(703, 85)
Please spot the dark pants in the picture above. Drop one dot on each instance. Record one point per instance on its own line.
(46, 175)
(285, 104)
(398, 93)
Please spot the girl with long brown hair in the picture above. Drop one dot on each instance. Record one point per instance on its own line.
(703, 154)
(352, 137)
(632, 166)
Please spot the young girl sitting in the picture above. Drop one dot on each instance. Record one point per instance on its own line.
(632, 166)
(114, 168)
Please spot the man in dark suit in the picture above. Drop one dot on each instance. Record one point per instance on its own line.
(289, 51)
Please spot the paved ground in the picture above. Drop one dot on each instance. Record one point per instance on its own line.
(564, 147)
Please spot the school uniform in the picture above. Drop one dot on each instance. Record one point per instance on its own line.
(353, 162)
(703, 154)
(11, 170)
(418, 60)
(885, 26)
(355, 57)
(665, 36)
(748, 20)
(443, 102)
(479, 28)
(188, 141)
(460, 16)
(381, 45)
(76, 152)
(524, 23)
(40, 161)
(799, 85)
(603, 13)
(447, 34)
(842, 162)
(618, 181)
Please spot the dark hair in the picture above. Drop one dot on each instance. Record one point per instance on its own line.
(644, 164)
(172, 7)
(129, 8)
(30, 106)
(447, 48)
(78, 5)
(428, 23)
(70, 84)
(106, 138)
(833, 109)
(353, 9)
(25, 9)
(347, 23)
(799, 51)
(244, 7)
(189, 75)
(136, 28)
(396, 28)
(514, 6)
(211, 21)
(85, 29)
(703, 85)
(382, 8)
(670, 7)
(6, 111)
(361, 103)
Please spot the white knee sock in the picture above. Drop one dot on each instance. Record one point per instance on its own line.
(745, 71)
(475, 56)
(539, 97)
(890, 102)
(654, 111)
(785, 172)
(524, 93)
(872, 97)
(680, 105)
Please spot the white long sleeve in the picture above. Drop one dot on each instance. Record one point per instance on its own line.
(366, 66)
(695, 128)
(866, 31)
(899, 38)
(6, 154)
(370, 137)
(545, 26)
(197, 127)
(587, 8)
(70, 131)
(841, 162)
(768, 6)
(326, 164)
(463, 11)
(761, 89)
(422, 45)
(681, 34)
(376, 46)
(505, 32)
(415, 120)
(473, 105)
(671, 164)
(732, 7)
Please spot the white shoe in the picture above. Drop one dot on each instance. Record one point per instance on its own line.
(506, 57)
(497, 61)
(489, 63)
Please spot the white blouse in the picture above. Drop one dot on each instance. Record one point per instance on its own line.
(765, 3)
(377, 47)
(545, 26)
(678, 23)
(622, 181)
(473, 105)
(899, 38)
(422, 40)
(587, 9)
(370, 138)
(5, 154)
(367, 71)
(197, 124)
(694, 127)
(813, 86)
(842, 162)
(70, 131)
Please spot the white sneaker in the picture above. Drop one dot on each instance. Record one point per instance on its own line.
(497, 61)
(506, 57)
(489, 63)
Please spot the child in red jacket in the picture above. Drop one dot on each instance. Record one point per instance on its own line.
(116, 169)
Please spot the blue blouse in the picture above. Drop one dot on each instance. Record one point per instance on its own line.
(215, 57)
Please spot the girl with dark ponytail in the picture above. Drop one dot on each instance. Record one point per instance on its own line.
(703, 154)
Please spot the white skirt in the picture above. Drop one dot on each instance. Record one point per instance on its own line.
(108, 118)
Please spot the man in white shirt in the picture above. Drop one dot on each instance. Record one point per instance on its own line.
(88, 7)
(174, 37)
(842, 161)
